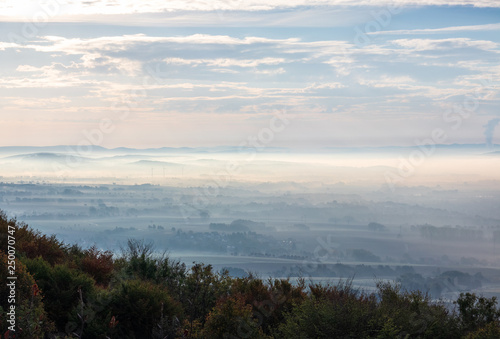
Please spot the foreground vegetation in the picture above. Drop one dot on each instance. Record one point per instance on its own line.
(65, 291)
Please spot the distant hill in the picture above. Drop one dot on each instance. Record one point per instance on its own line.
(47, 157)
(389, 149)
(126, 150)
(154, 162)
(93, 149)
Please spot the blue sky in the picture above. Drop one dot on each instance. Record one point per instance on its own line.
(206, 73)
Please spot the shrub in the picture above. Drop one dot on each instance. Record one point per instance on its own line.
(476, 312)
(98, 264)
(140, 308)
(31, 319)
(60, 286)
(231, 317)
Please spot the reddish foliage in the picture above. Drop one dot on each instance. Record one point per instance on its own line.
(33, 244)
(35, 290)
(99, 264)
(113, 322)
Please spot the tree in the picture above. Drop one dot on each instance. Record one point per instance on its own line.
(60, 286)
(331, 312)
(476, 312)
(98, 264)
(201, 290)
(140, 307)
(231, 318)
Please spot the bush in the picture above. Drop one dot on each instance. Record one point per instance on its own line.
(476, 312)
(98, 264)
(331, 312)
(60, 286)
(32, 320)
(231, 317)
(414, 313)
(32, 243)
(140, 308)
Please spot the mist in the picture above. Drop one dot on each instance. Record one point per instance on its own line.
(425, 216)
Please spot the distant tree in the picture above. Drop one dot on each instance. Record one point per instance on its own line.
(204, 215)
(300, 227)
(376, 227)
(246, 225)
(359, 254)
(348, 219)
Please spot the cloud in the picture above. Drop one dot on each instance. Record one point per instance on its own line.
(271, 71)
(236, 73)
(55, 75)
(122, 43)
(109, 64)
(326, 85)
(452, 29)
(4, 45)
(225, 62)
(19, 8)
(444, 44)
(401, 82)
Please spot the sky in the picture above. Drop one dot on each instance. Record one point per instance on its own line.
(295, 73)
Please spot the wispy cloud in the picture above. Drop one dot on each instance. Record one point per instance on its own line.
(17, 8)
(225, 62)
(72, 73)
(444, 44)
(452, 29)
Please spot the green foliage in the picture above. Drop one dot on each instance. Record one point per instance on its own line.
(311, 319)
(139, 259)
(60, 286)
(201, 289)
(331, 312)
(139, 307)
(489, 331)
(89, 319)
(32, 320)
(138, 262)
(414, 314)
(476, 312)
(231, 318)
(271, 300)
(389, 330)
